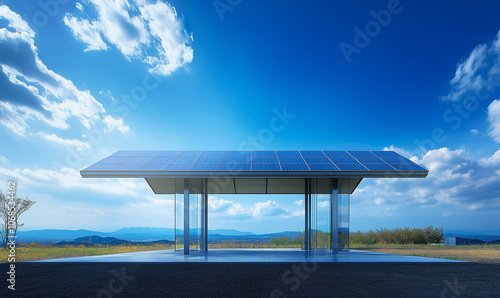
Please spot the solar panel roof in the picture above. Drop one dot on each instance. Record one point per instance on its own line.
(187, 164)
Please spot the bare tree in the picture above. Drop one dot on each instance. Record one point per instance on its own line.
(10, 213)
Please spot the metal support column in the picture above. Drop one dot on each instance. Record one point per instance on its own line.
(186, 216)
(204, 216)
(334, 200)
(307, 206)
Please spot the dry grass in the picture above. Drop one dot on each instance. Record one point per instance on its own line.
(474, 253)
(34, 252)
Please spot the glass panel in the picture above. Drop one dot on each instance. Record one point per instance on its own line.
(179, 219)
(343, 214)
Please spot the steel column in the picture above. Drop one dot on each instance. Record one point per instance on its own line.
(186, 216)
(334, 200)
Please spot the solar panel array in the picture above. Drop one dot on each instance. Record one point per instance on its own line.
(255, 161)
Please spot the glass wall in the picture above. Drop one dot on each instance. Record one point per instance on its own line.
(322, 214)
(179, 219)
(195, 214)
(343, 213)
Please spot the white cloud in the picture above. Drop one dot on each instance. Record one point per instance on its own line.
(30, 90)
(152, 32)
(68, 178)
(3, 159)
(477, 75)
(403, 152)
(455, 179)
(218, 205)
(75, 143)
(79, 6)
(113, 124)
(269, 208)
(87, 32)
(299, 202)
(474, 132)
(494, 119)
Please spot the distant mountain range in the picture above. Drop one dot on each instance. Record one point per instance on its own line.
(94, 240)
(144, 234)
(139, 234)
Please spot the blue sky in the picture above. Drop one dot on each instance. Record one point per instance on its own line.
(81, 80)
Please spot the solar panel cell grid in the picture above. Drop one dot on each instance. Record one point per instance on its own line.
(337, 154)
(236, 154)
(312, 154)
(235, 167)
(115, 160)
(351, 167)
(266, 167)
(205, 167)
(386, 154)
(362, 154)
(153, 167)
(265, 160)
(322, 167)
(288, 154)
(263, 154)
(384, 161)
(291, 160)
(369, 160)
(379, 167)
(397, 160)
(168, 154)
(179, 167)
(140, 160)
(213, 154)
(317, 160)
(190, 154)
(294, 167)
(128, 167)
(236, 160)
(209, 160)
(161, 160)
(183, 160)
(337, 160)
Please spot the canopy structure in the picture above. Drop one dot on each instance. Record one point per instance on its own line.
(192, 175)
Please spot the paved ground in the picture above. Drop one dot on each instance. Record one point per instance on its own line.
(264, 255)
(308, 279)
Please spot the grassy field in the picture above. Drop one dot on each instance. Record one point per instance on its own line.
(33, 252)
(476, 253)
(488, 254)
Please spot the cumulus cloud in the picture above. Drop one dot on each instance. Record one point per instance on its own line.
(474, 132)
(29, 90)
(113, 124)
(152, 32)
(75, 143)
(455, 179)
(494, 119)
(479, 74)
(70, 179)
(236, 211)
(269, 208)
(87, 32)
